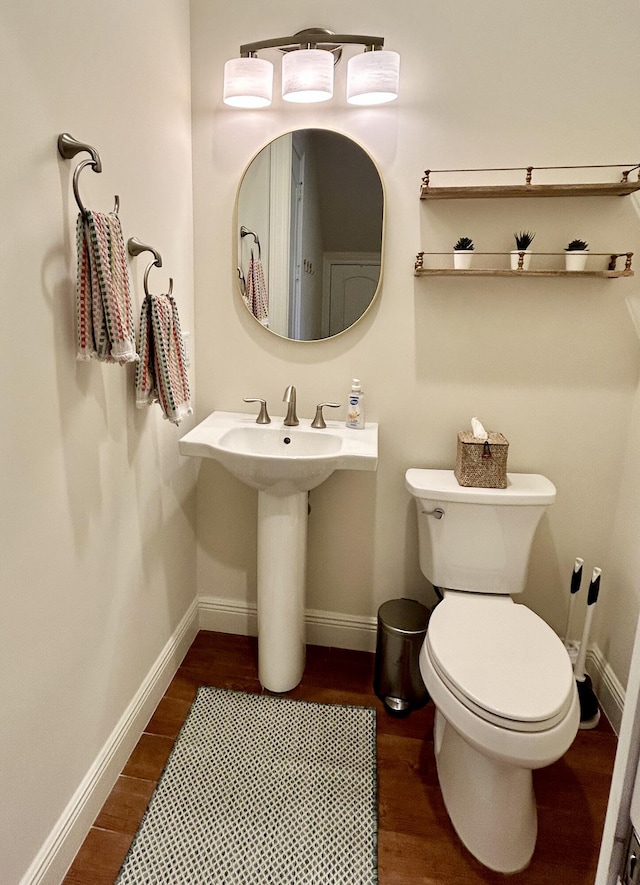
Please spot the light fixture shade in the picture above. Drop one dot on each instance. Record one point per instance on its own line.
(248, 82)
(307, 75)
(373, 77)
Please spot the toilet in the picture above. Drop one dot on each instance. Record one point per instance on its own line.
(500, 678)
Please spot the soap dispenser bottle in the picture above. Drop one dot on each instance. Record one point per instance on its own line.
(355, 409)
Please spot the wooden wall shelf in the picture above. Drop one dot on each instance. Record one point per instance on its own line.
(618, 189)
(621, 188)
(488, 272)
(611, 272)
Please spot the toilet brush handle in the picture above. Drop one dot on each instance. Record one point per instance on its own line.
(594, 589)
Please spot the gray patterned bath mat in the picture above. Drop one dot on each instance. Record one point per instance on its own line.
(262, 789)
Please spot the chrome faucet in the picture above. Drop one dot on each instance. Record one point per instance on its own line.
(290, 398)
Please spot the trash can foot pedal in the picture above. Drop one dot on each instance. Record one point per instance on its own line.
(396, 705)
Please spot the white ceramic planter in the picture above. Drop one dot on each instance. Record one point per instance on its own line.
(515, 257)
(576, 259)
(462, 259)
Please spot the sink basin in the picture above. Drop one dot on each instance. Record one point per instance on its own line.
(278, 459)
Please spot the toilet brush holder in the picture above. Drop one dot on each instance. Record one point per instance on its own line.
(589, 708)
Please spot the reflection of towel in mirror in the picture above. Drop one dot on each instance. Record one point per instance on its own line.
(161, 374)
(256, 292)
(105, 329)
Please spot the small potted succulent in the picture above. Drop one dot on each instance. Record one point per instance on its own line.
(462, 253)
(576, 255)
(523, 241)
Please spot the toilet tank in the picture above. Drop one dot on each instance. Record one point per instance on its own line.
(477, 539)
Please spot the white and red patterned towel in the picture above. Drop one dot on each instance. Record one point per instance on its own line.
(161, 374)
(105, 329)
(256, 294)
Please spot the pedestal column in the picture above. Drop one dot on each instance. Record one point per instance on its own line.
(282, 555)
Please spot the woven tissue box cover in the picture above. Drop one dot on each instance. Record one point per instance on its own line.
(481, 464)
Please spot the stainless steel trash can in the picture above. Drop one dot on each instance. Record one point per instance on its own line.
(402, 627)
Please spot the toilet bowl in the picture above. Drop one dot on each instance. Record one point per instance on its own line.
(500, 678)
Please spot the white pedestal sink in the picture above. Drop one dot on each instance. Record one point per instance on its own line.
(283, 463)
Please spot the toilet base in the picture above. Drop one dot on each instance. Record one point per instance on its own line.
(491, 803)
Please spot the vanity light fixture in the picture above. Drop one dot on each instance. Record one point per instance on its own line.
(308, 61)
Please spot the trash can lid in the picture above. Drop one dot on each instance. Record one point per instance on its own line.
(404, 615)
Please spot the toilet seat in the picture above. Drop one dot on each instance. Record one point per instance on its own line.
(501, 661)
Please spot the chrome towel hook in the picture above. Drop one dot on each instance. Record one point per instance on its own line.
(68, 147)
(245, 232)
(137, 247)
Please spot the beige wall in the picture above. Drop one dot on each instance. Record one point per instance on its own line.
(552, 363)
(97, 565)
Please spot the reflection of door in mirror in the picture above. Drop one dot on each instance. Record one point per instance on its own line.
(315, 198)
(351, 289)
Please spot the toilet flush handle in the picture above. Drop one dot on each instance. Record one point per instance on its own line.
(438, 512)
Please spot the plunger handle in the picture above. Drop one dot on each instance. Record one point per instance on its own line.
(576, 580)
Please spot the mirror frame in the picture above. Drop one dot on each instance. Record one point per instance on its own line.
(237, 238)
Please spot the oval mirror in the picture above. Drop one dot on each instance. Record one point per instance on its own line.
(310, 211)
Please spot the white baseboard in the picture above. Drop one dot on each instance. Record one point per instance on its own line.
(228, 616)
(59, 850)
(331, 629)
(608, 689)
(336, 630)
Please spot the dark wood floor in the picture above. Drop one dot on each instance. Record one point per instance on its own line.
(416, 841)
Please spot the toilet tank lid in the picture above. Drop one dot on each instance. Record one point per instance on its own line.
(441, 485)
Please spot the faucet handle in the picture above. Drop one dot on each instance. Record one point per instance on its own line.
(319, 422)
(263, 416)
